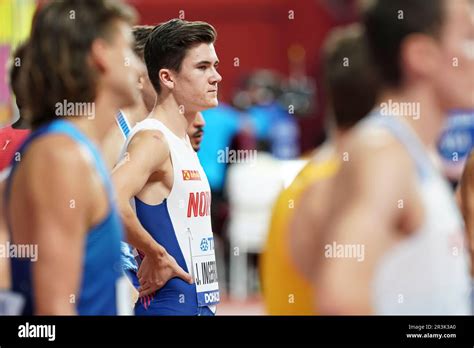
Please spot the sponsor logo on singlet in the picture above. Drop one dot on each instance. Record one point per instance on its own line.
(191, 175)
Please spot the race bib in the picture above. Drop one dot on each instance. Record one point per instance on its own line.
(204, 269)
(11, 303)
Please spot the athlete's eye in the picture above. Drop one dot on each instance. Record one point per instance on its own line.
(203, 67)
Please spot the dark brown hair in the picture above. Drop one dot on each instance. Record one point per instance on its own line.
(17, 59)
(390, 22)
(141, 34)
(18, 56)
(168, 43)
(349, 78)
(56, 66)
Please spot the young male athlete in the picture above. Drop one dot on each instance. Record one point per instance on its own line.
(126, 120)
(129, 263)
(163, 191)
(394, 242)
(59, 195)
(351, 86)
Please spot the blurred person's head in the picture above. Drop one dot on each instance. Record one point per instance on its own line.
(424, 43)
(263, 87)
(196, 131)
(17, 59)
(241, 100)
(349, 78)
(77, 50)
(141, 33)
(181, 60)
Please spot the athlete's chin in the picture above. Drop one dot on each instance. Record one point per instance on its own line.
(129, 100)
(213, 103)
(206, 105)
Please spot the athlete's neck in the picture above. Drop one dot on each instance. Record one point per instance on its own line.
(96, 125)
(339, 139)
(136, 113)
(171, 115)
(418, 108)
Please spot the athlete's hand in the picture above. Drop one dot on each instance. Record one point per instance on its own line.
(156, 270)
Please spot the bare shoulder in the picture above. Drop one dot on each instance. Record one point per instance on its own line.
(147, 152)
(149, 144)
(53, 171)
(57, 153)
(146, 138)
(375, 141)
(376, 153)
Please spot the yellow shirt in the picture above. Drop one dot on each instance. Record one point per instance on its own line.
(285, 290)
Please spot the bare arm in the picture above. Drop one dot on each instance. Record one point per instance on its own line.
(130, 176)
(368, 190)
(147, 153)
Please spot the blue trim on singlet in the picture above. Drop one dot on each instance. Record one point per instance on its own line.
(128, 261)
(406, 137)
(177, 297)
(123, 124)
(101, 259)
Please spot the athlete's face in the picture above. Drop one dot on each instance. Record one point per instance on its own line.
(196, 131)
(195, 86)
(454, 76)
(121, 66)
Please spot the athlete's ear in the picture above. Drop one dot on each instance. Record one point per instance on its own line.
(98, 55)
(420, 56)
(166, 78)
(141, 82)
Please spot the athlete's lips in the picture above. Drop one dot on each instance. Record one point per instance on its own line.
(198, 135)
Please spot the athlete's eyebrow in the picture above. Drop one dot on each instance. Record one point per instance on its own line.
(206, 62)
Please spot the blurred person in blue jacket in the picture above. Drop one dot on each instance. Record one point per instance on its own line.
(270, 119)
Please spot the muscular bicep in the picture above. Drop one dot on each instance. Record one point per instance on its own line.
(145, 155)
